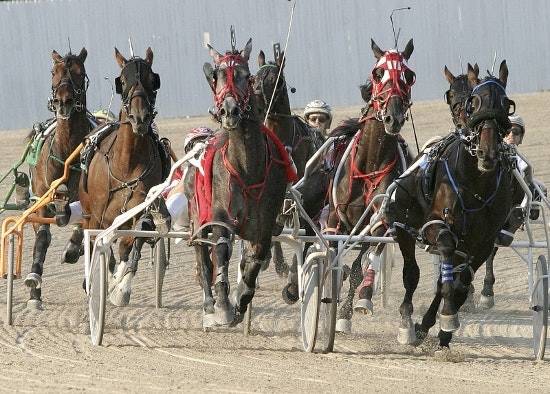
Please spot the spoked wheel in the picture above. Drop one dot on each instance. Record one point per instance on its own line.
(329, 304)
(160, 261)
(311, 298)
(386, 268)
(540, 307)
(11, 271)
(97, 297)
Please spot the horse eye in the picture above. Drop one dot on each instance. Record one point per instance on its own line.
(378, 74)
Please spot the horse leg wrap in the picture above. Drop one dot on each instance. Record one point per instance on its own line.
(228, 243)
(221, 274)
(22, 194)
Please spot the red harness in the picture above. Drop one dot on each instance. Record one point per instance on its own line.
(203, 184)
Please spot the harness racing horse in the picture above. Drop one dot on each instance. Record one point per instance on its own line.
(455, 198)
(58, 141)
(373, 159)
(246, 174)
(123, 162)
(271, 94)
(456, 97)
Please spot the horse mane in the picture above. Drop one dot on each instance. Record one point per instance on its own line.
(347, 127)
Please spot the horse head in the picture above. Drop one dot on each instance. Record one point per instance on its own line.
(488, 108)
(458, 93)
(137, 85)
(231, 84)
(269, 86)
(69, 84)
(391, 91)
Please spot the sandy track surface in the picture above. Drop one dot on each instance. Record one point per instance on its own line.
(159, 350)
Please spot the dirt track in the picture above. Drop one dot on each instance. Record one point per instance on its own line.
(165, 350)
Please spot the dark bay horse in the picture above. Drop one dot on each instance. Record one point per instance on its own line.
(375, 158)
(123, 163)
(68, 102)
(246, 176)
(456, 97)
(271, 94)
(455, 199)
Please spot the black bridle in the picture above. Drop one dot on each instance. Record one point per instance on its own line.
(79, 90)
(139, 81)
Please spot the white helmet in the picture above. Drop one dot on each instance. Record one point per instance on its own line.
(516, 119)
(318, 107)
(198, 133)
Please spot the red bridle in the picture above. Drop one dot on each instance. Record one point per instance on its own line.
(230, 62)
(393, 83)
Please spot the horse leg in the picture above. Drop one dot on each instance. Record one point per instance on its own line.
(446, 244)
(73, 249)
(370, 265)
(122, 278)
(34, 278)
(343, 324)
(290, 291)
(411, 275)
(221, 254)
(205, 270)
(487, 298)
(250, 267)
(281, 268)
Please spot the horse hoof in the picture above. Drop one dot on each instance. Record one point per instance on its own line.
(71, 253)
(237, 318)
(119, 273)
(364, 306)
(486, 302)
(406, 336)
(343, 326)
(449, 323)
(35, 305)
(290, 297)
(33, 280)
(120, 295)
(223, 317)
(208, 321)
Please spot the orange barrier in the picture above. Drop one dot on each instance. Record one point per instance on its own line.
(19, 221)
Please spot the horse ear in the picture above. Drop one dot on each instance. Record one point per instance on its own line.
(56, 56)
(476, 69)
(149, 56)
(409, 48)
(449, 75)
(82, 55)
(376, 49)
(208, 73)
(281, 60)
(247, 49)
(472, 76)
(261, 59)
(215, 54)
(119, 58)
(503, 73)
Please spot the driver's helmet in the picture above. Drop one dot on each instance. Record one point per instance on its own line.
(104, 115)
(318, 107)
(197, 134)
(517, 120)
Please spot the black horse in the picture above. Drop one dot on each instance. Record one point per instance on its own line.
(455, 198)
(301, 140)
(246, 175)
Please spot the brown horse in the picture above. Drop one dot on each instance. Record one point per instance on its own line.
(246, 175)
(376, 156)
(68, 102)
(456, 199)
(271, 94)
(123, 163)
